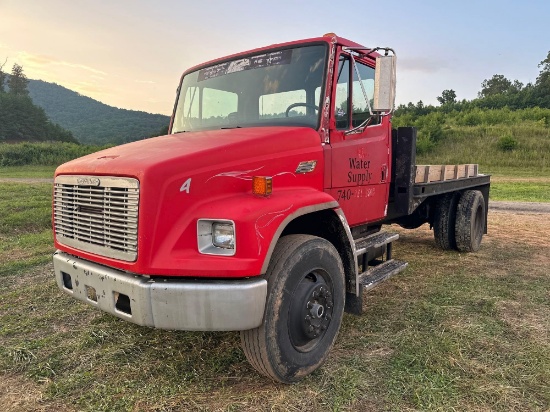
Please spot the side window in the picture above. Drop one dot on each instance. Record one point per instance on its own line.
(360, 107)
(217, 105)
(341, 103)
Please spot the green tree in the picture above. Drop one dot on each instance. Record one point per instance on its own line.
(542, 85)
(498, 84)
(3, 76)
(447, 97)
(18, 81)
(21, 120)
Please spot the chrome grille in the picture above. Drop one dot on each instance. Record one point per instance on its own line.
(97, 214)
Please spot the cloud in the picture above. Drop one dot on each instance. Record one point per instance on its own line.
(42, 60)
(38, 59)
(145, 81)
(422, 64)
(87, 88)
(81, 66)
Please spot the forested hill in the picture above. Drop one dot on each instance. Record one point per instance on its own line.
(90, 121)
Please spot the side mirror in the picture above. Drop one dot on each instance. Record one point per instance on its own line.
(384, 84)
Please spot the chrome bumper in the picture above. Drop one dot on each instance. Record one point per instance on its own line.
(166, 304)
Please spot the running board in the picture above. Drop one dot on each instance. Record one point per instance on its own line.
(379, 273)
(374, 241)
(369, 279)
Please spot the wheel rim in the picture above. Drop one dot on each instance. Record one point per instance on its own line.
(310, 311)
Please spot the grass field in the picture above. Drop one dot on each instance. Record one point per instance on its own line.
(453, 332)
(30, 172)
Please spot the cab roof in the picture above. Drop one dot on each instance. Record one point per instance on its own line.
(328, 38)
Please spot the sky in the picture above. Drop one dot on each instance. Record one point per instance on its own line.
(131, 53)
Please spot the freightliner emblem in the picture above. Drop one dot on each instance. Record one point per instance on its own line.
(88, 181)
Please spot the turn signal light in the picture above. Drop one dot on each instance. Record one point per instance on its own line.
(262, 185)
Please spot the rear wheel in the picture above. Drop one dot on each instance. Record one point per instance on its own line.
(470, 221)
(305, 303)
(444, 221)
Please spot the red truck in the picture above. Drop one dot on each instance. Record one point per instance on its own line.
(261, 210)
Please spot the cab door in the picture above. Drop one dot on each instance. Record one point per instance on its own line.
(360, 160)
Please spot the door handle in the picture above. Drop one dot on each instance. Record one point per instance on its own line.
(384, 173)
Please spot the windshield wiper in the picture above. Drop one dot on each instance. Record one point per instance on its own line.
(231, 127)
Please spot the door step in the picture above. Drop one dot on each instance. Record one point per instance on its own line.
(379, 273)
(376, 240)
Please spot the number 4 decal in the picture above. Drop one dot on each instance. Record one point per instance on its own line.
(186, 186)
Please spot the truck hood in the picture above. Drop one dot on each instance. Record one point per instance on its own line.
(193, 150)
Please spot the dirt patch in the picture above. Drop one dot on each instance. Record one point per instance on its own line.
(526, 228)
(535, 322)
(20, 395)
(519, 207)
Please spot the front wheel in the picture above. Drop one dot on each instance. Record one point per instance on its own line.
(305, 303)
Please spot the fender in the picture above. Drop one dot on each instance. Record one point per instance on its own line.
(289, 218)
(259, 223)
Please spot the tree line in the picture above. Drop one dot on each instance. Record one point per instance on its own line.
(496, 93)
(500, 101)
(20, 119)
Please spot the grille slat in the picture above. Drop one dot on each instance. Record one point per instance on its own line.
(97, 225)
(69, 195)
(62, 227)
(117, 224)
(102, 219)
(99, 239)
(105, 207)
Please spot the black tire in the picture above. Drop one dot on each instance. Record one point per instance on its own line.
(305, 280)
(444, 221)
(470, 221)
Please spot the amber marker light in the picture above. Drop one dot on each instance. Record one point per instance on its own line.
(262, 185)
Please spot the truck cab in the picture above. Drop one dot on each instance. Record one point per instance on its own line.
(261, 210)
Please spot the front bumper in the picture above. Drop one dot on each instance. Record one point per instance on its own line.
(206, 305)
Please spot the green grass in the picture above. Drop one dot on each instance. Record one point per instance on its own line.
(521, 191)
(25, 226)
(38, 154)
(479, 144)
(453, 332)
(31, 172)
(512, 170)
(25, 208)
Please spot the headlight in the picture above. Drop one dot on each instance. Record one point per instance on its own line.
(216, 237)
(223, 235)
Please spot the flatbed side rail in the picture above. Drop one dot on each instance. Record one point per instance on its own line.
(423, 190)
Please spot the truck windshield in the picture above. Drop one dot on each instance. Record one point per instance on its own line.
(278, 88)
